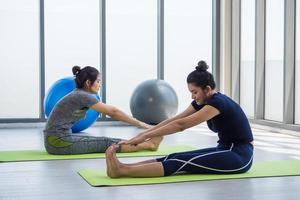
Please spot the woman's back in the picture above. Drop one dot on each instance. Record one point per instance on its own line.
(231, 124)
(69, 110)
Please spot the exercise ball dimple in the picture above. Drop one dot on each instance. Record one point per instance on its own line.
(60, 89)
(153, 101)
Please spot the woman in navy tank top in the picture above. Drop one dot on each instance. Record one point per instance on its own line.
(232, 154)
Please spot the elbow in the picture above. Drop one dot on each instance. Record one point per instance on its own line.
(113, 112)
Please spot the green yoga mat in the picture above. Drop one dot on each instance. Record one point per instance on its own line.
(260, 169)
(37, 155)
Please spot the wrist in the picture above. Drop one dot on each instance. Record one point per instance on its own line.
(144, 136)
(137, 122)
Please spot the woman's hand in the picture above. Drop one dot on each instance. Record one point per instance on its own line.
(140, 138)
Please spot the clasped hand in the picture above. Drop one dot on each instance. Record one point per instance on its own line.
(140, 138)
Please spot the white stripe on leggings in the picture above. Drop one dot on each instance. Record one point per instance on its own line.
(166, 158)
(213, 169)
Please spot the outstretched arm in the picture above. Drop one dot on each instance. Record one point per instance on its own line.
(117, 114)
(190, 110)
(206, 113)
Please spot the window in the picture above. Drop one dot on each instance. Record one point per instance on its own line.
(71, 37)
(19, 58)
(131, 35)
(188, 39)
(297, 77)
(274, 60)
(247, 61)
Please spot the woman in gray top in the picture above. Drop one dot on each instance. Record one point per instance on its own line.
(73, 107)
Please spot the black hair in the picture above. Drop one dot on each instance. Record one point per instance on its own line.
(200, 77)
(84, 74)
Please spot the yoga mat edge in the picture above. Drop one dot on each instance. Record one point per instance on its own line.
(96, 177)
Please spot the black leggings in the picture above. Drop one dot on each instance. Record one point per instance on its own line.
(223, 159)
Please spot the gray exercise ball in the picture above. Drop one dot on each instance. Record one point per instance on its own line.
(153, 101)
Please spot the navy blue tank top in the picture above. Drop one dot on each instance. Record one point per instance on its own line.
(231, 124)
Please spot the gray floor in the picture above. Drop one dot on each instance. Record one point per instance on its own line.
(59, 179)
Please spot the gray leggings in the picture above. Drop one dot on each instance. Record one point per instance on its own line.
(70, 144)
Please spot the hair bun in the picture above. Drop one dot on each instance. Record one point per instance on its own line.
(202, 66)
(76, 70)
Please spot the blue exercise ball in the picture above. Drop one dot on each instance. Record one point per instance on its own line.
(153, 101)
(60, 89)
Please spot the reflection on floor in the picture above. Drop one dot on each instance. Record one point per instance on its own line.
(277, 143)
(268, 141)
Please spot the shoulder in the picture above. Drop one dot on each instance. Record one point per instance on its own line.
(83, 98)
(81, 93)
(217, 97)
(219, 101)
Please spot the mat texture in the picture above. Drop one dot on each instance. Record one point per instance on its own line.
(259, 169)
(37, 155)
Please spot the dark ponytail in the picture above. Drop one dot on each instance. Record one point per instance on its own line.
(84, 74)
(200, 77)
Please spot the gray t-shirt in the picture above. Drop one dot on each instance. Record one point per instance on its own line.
(69, 110)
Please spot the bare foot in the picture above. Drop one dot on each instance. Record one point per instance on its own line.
(113, 164)
(107, 165)
(150, 145)
(154, 143)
